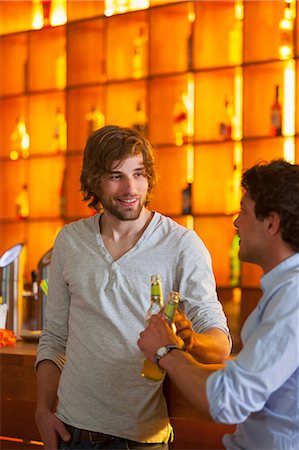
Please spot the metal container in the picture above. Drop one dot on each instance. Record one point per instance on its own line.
(34, 301)
(11, 285)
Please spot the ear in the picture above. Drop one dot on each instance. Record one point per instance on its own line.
(273, 223)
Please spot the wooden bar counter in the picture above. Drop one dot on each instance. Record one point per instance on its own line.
(18, 397)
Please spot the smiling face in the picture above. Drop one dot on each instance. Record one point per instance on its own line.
(253, 233)
(124, 189)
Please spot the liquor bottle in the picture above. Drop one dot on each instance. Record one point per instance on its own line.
(62, 195)
(151, 370)
(225, 125)
(19, 140)
(34, 278)
(37, 15)
(58, 13)
(276, 115)
(190, 40)
(140, 123)
(286, 33)
(59, 134)
(22, 203)
(233, 191)
(60, 70)
(46, 11)
(187, 199)
(95, 119)
(139, 53)
(235, 265)
(180, 120)
(122, 6)
(235, 39)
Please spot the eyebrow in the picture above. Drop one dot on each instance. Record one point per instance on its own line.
(138, 169)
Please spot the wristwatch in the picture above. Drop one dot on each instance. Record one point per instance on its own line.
(162, 351)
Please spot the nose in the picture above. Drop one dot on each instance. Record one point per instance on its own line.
(128, 184)
(235, 222)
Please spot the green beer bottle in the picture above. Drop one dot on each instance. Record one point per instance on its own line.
(150, 370)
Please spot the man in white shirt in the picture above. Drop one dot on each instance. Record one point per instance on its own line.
(259, 389)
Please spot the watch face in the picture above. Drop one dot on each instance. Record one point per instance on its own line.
(162, 351)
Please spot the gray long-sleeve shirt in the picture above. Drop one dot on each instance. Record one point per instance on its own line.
(96, 310)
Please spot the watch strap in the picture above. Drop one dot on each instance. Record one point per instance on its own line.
(167, 348)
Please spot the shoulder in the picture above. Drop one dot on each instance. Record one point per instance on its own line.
(80, 228)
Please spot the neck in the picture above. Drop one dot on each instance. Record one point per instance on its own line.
(116, 229)
(276, 257)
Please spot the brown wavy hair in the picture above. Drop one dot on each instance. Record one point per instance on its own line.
(274, 187)
(105, 146)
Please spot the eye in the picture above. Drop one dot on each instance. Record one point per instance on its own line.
(114, 177)
(140, 173)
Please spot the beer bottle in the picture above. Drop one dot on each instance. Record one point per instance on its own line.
(150, 370)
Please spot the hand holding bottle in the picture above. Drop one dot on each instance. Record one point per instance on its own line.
(157, 334)
(184, 328)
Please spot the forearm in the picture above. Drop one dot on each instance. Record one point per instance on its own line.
(51, 429)
(48, 375)
(190, 377)
(210, 347)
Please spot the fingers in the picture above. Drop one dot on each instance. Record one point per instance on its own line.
(63, 432)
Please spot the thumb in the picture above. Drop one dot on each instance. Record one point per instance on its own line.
(64, 433)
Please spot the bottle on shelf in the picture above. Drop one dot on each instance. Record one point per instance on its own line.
(235, 35)
(58, 13)
(34, 278)
(46, 12)
(95, 119)
(180, 120)
(190, 39)
(187, 199)
(276, 115)
(19, 140)
(60, 70)
(235, 264)
(22, 203)
(225, 125)
(233, 191)
(26, 76)
(59, 133)
(37, 15)
(122, 6)
(139, 53)
(62, 195)
(140, 119)
(151, 370)
(286, 33)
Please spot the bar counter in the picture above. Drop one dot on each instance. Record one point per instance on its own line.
(18, 397)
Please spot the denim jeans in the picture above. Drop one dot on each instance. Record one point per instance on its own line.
(116, 444)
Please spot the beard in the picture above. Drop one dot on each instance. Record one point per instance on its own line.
(124, 214)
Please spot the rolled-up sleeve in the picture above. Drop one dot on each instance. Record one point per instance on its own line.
(268, 359)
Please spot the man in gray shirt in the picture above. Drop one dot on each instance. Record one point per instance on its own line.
(90, 390)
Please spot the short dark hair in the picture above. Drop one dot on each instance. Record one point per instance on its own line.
(105, 146)
(274, 187)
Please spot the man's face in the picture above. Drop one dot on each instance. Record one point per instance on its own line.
(123, 191)
(252, 232)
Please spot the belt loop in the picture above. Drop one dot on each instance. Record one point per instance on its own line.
(76, 436)
(90, 437)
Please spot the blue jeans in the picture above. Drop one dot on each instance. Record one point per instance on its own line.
(115, 444)
(119, 444)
